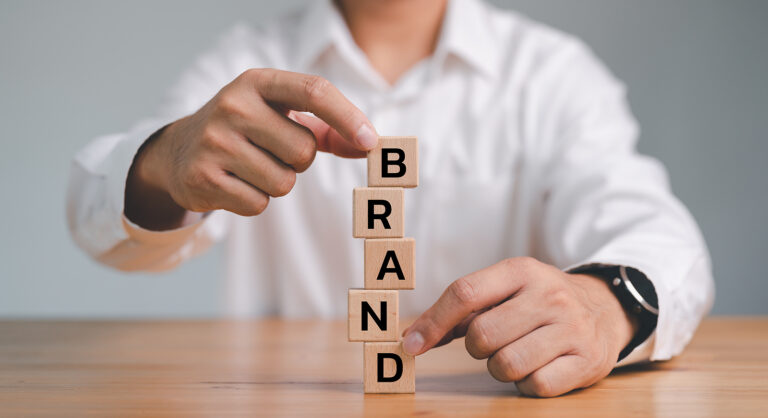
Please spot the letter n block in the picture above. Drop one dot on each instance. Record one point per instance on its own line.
(394, 163)
(377, 212)
(389, 263)
(373, 315)
(387, 369)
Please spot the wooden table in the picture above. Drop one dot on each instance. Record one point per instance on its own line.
(307, 368)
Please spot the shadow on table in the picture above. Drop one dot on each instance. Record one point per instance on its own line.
(473, 384)
(482, 384)
(640, 368)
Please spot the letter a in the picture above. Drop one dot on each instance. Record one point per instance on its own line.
(391, 255)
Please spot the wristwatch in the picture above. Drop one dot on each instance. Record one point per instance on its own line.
(635, 293)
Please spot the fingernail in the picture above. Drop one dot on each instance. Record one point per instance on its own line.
(366, 137)
(413, 342)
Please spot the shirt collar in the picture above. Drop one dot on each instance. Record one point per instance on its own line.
(319, 29)
(466, 34)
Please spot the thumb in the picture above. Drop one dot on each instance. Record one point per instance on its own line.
(328, 139)
(458, 331)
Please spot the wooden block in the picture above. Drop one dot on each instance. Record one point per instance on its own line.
(389, 263)
(378, 212)
(387, 369)
(394, 163)
(373, 315)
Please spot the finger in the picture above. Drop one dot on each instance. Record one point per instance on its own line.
(561, 375)
(308, 93)
(469, 294)
(458, 331)
(504, 324)
(289, 141)
(234, 195)
(328, 139)
(529, 353)
(260, 169)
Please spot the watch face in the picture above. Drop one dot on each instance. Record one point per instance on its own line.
(643, 286)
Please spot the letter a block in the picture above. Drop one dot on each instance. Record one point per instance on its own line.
(387, 369)
(378, 212)
(389, 263)
(394, 163)
(373, 315)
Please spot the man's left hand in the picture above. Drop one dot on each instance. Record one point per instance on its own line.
(546, 330)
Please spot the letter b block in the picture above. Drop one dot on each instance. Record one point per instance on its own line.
(373, 315)
(387, 369)
(394, 163)
(389, 263)
(378, 212)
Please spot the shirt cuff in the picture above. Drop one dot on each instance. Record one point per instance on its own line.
(96, 194)
(122, 159)
(171, 236)
(641, 354)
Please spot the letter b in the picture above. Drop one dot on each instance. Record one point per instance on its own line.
(394, 163)
(387, 161)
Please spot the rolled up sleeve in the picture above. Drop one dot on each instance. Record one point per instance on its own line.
(96, 191)
(605, 203)
(95, 210)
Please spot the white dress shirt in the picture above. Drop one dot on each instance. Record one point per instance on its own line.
(527, 147)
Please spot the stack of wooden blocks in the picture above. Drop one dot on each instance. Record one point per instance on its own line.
(378, 212)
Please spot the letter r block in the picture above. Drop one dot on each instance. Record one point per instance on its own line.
(394, 162)
(373, 315)
(389, 263)
(377, 212)
(387, 369)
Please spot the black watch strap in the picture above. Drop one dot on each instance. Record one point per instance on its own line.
(636, 294)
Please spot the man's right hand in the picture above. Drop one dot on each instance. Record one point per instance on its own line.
(245, 145)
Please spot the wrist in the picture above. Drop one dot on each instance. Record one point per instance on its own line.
(636, 294)
(148, 167)
(621, 323)
(147, 200)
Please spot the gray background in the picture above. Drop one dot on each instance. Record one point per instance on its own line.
(73, 70)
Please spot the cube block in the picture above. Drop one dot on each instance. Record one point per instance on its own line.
(394, 162)
(387, 369)
(373, 315)
(389, 263)
(378, 212)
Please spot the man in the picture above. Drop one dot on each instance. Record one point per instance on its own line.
(558, 250)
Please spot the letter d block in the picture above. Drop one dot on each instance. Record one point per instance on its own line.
(389, 263)
(378, 212)
(373, 315)
(387, 369)
(394, 163)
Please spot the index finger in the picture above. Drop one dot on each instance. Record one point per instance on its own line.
(469, 294)
(311, 93)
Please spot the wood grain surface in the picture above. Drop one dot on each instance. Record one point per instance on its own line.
(384, 304)
(409, 145)
(307, 368)
(403, 252)
(396, 224)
